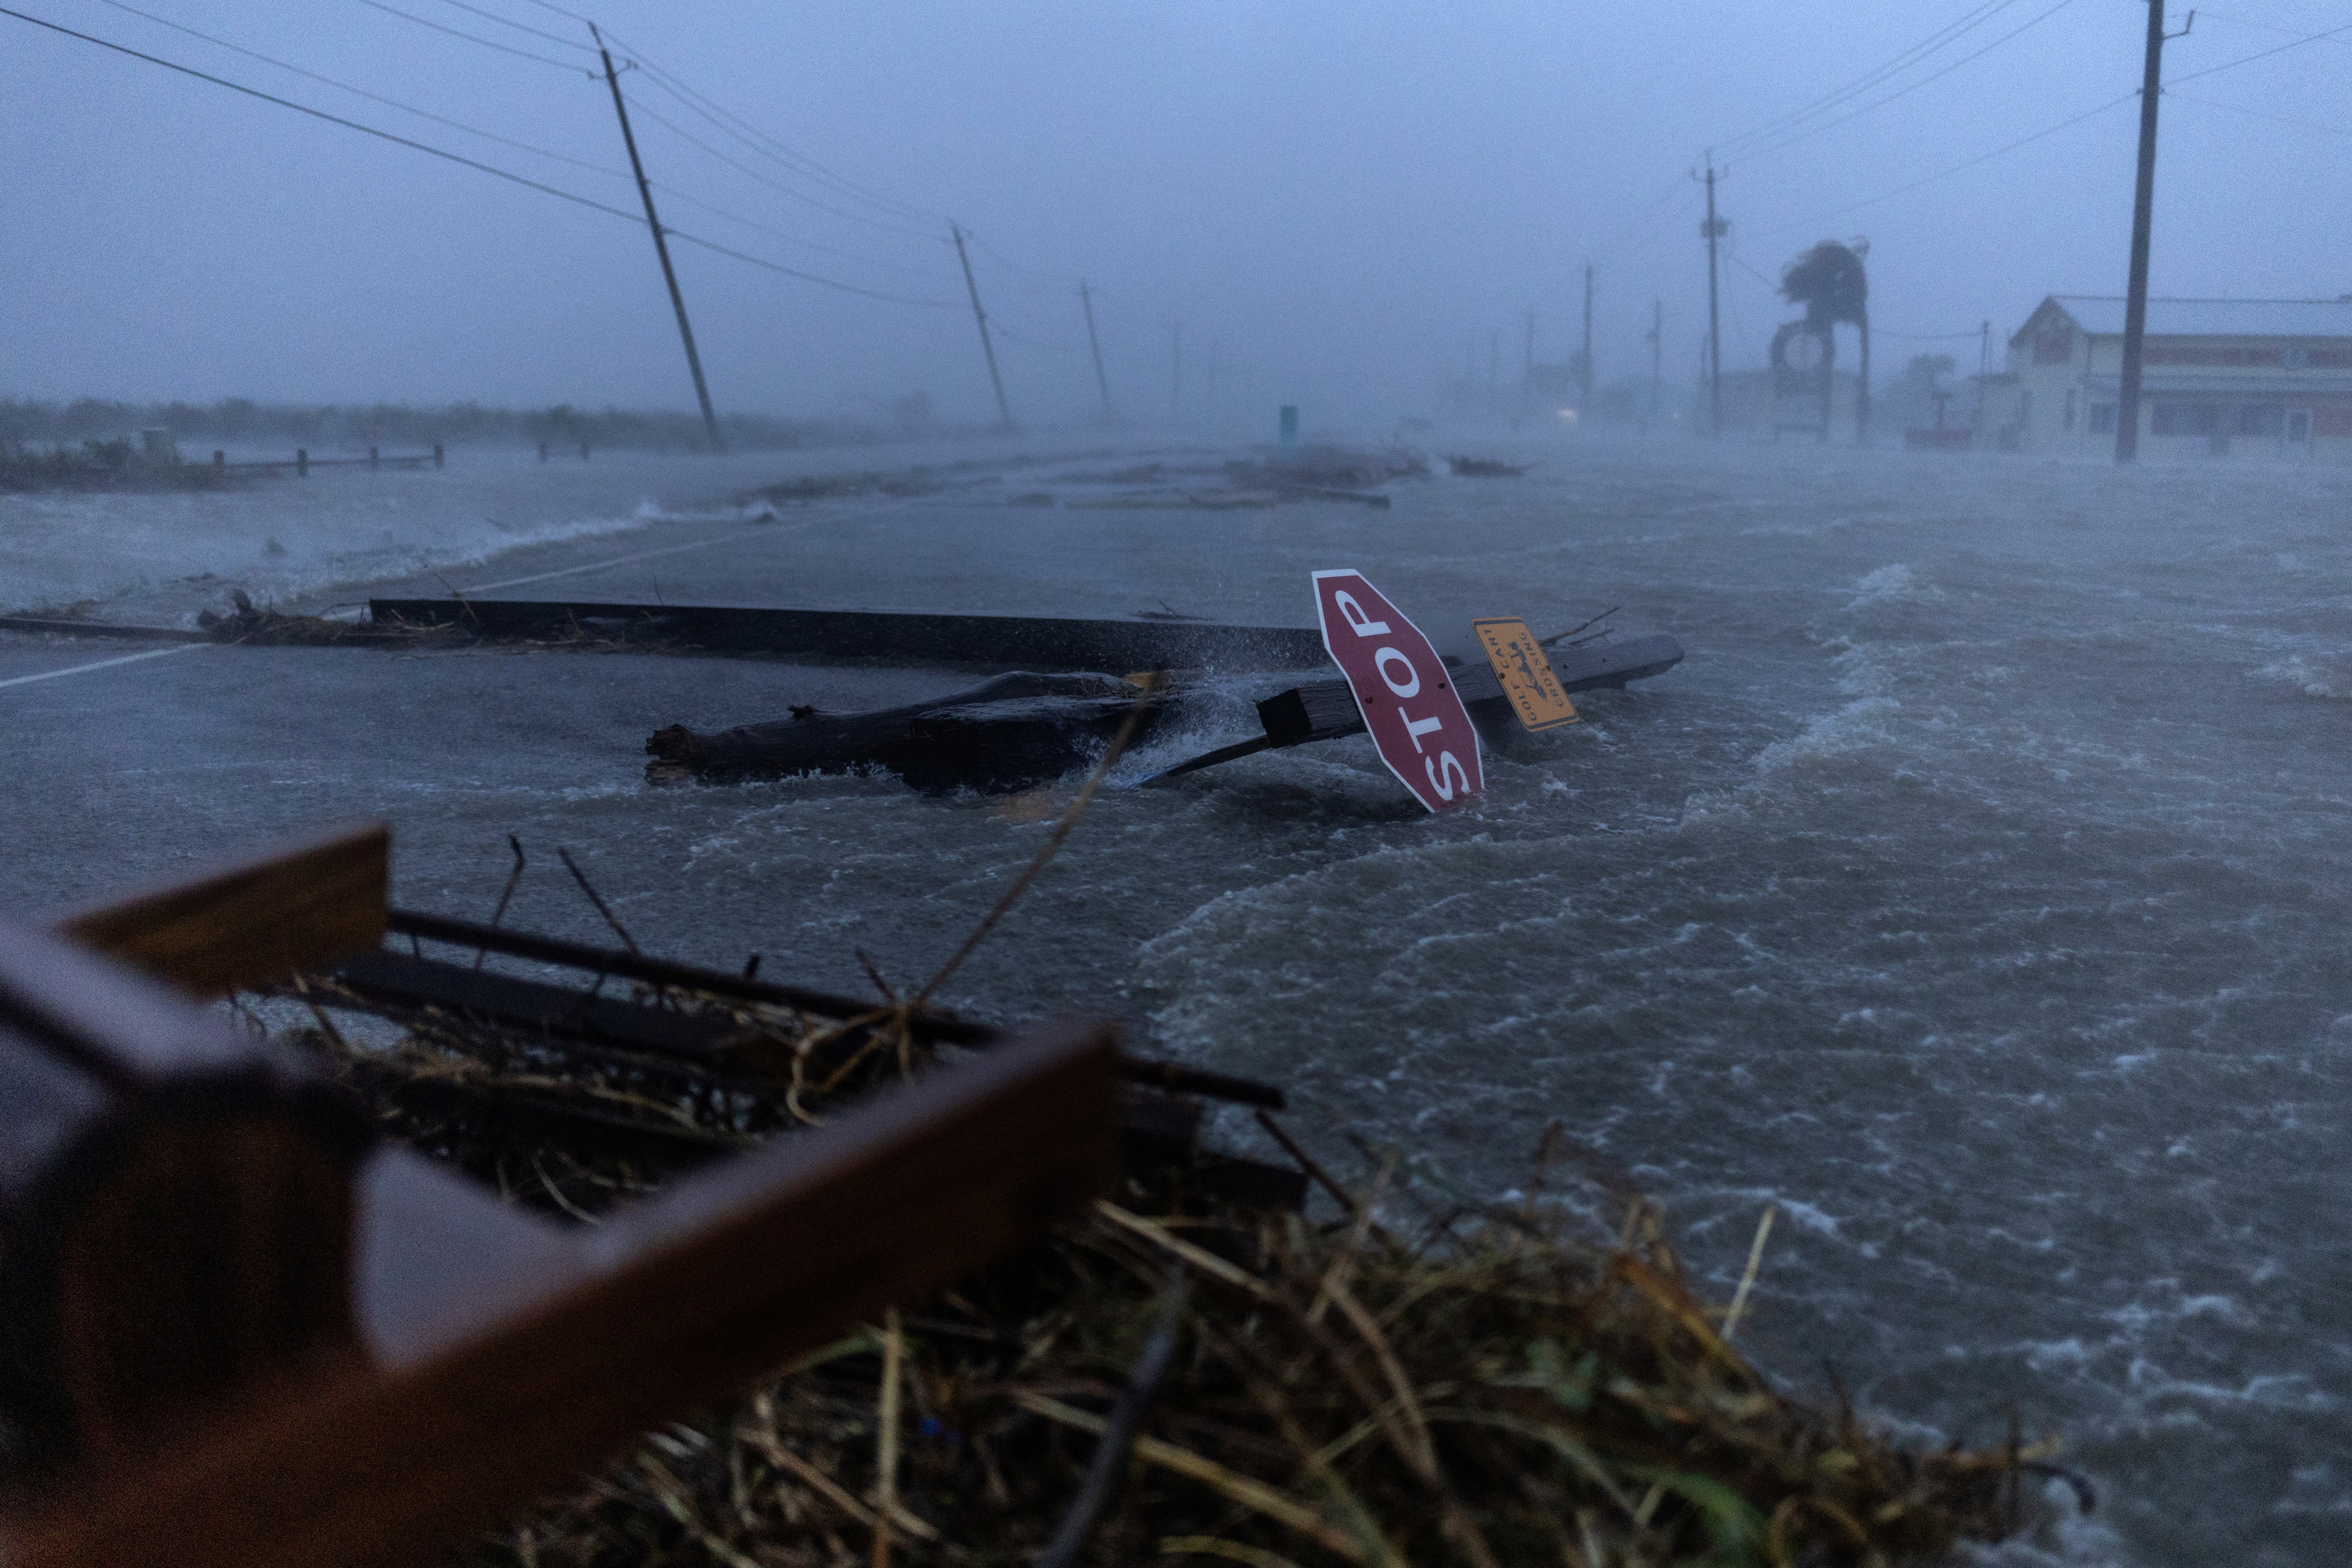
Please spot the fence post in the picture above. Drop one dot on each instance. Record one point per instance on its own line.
(220, 461)
(301, 462)
(437, 454)
(373, 462)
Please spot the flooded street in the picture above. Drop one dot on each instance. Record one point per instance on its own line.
(1978, 890)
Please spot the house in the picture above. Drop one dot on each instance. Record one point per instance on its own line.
(2222, 378)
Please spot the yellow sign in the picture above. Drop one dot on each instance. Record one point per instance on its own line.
(1528, 677)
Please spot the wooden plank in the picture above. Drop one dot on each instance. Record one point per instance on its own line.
(589, 1339)
(175, 1215)
(666, 972)
(300, 905)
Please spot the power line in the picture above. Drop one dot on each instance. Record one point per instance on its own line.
(1957, 168)
(373, 97)
(461, 159)
(2261, 55)
(1901, 62)
(2259, 114)
(474, 38)
(521, 27)
(768, 146)
(1791, 140)
(750, 174)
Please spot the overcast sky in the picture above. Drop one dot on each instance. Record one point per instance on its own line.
(1341, 202)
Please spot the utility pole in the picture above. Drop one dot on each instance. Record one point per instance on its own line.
(1657, 358)
(1003, 410)
(1584, 370)
(1714, 229)
(661, 244)
(1984, 368)
(1176, 380)
(2151, 87)
(1093, 343)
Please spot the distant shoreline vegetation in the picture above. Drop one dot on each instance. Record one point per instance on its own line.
(85, 437)
(115, 465)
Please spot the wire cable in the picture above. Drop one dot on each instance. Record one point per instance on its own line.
(1791, 140)
(768, 146)
(2260, 114)
(522, 27)
(491, 170)
(1957, 168)
(2260, 55)
(373, 97)
(749, 172)
(473, 38)
(1894, 67)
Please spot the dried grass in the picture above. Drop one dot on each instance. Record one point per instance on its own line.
(1509, 1389)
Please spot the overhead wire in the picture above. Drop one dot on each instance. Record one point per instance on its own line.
(2047, 130)
(371, 97)
(666, 190)
(2260, 114)
(490, 169)
(1796, 136)
(1888, 69)
(768, 146)
(2062, 125)
(522, 28)
(750, 174)
(474, 38)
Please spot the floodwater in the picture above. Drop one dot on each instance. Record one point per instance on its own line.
(1977, 891)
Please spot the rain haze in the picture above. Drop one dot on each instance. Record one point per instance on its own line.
(1910, 849)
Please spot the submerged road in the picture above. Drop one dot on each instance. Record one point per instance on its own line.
(1977, 891)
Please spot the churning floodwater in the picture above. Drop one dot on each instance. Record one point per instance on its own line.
(1980, 890)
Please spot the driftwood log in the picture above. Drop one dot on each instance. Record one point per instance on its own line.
(1009, 733)
(1020, 731)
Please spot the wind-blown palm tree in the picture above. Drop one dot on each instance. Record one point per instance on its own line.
(1829, 282)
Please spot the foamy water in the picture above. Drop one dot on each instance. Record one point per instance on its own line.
(1977, 892)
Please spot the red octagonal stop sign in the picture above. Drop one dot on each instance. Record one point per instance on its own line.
(1402, 689)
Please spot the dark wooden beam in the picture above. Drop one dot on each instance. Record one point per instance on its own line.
(240, 924)
(506, 1355)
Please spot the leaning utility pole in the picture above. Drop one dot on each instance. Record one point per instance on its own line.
(1584, 370)
(1003, 410)
(661, 244)
(1714, 229)
(2151, 87)
(1085, 298)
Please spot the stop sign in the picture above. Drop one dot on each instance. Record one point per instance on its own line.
(1402, 689)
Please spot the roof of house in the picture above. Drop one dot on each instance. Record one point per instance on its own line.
(2102, 316)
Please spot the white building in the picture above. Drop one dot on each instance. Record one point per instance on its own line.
(2219, 378)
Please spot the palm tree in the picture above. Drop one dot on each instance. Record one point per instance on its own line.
(1828, 280)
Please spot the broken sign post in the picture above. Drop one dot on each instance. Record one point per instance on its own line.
(1402, 689)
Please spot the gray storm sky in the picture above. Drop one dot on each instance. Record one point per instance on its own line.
(1340, 202)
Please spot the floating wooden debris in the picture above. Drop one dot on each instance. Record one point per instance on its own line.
(1486, 469)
